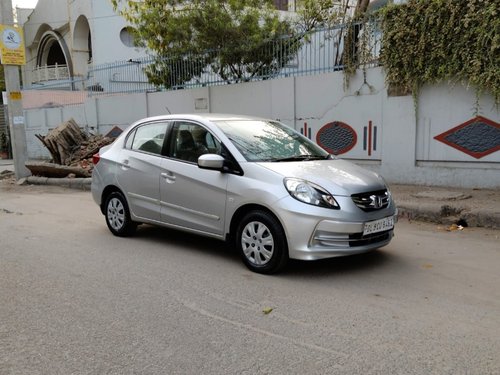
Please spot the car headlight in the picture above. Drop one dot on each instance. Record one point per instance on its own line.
(310, 193)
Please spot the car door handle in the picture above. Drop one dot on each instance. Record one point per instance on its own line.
(169, 177)
(124, 164)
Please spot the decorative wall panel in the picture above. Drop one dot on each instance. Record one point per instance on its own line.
(477, 137)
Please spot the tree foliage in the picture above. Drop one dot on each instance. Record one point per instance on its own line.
(237, 39)
(314, 14)
(436, 41)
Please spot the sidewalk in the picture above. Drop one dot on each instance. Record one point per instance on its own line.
(440, 205)
(447, 206)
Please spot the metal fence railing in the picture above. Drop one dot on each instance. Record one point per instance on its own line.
(321, 51)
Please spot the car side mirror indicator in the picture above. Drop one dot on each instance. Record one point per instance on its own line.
(211, 161)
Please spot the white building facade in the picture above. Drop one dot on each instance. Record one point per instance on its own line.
(65, 37)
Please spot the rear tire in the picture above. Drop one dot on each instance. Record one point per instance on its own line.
(261, 241)
(118, 216)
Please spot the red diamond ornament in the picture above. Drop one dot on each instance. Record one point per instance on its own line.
(477, 137)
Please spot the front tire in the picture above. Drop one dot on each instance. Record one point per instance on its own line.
(118, 216)
(261, 242)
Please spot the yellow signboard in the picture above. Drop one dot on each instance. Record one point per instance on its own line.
(12, 45)
(15, 95)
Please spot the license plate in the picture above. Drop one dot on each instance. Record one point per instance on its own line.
(378, 225)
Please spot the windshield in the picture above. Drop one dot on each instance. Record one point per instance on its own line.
(260, 140)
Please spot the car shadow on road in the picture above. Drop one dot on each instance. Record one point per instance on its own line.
(188, 241)
(373, 261)
(340, 266)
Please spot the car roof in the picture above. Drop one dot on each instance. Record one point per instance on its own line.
(204, 116)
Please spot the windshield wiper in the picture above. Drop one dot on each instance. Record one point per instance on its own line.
(300, 158)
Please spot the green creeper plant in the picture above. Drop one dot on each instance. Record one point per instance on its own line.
(434, 41)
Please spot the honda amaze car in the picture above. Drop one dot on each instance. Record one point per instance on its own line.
(257, 183)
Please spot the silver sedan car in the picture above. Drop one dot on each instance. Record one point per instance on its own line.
(257, 183)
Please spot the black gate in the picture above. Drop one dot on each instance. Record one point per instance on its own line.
(5, 150)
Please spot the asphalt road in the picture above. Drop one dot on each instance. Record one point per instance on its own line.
(76, 300)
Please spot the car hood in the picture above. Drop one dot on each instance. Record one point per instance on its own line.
(339, 177)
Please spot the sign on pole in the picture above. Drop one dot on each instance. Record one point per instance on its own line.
(11, 56)
(12, 45)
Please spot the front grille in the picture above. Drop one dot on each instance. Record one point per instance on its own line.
(359, 240)
(371, 201)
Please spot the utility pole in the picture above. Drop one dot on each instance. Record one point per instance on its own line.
(15, 103)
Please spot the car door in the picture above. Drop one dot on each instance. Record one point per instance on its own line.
(192, 197)
(140, 169)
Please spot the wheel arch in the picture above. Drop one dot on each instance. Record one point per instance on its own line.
(280, 247)
(105, 194)
(242, 211)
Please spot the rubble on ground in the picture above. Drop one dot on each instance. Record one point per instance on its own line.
(6, 174)
(71, 149)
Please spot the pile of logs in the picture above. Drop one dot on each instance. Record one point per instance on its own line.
(71, 150)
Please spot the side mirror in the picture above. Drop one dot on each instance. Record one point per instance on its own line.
(211, 161)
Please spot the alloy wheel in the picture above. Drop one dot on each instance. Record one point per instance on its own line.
(116, 214)
(257, 243)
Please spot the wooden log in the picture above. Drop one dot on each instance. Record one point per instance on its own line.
(48, 146)
(55, 170)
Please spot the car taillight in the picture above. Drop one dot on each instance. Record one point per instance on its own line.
(96, 158)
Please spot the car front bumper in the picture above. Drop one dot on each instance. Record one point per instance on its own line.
(321, 233)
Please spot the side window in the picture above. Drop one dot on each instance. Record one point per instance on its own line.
(190, 141)
(148, 138)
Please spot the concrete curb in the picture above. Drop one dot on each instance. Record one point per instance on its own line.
(73, 183)
(447, 215)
